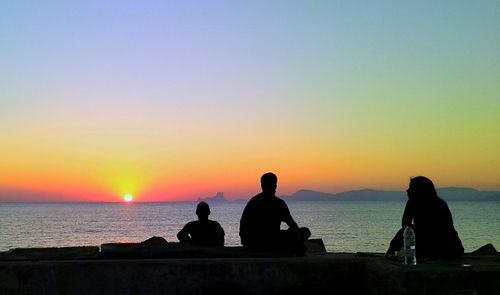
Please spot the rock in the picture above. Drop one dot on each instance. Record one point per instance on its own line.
(132, 250)
(157, 247)
(155, 241)
(487, 249)
(315, 247)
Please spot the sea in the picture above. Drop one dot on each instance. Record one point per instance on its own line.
(344, 226)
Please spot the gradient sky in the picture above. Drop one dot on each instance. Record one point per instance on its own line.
(174, 100)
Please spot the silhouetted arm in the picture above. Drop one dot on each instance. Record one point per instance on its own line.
(288, 219)
(396, 244)
(221, 236)
(291, 223)
(408, 214)
(183, 234)
(244, 223)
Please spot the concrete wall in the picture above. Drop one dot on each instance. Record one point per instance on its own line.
(329, 274)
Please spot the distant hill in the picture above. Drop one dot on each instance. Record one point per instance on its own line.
(467, 194)
(218, 198)
(448, 194)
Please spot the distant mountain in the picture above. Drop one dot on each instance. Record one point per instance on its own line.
(371, 195)
(218, 198)
(357, 195)
(448, 194)
(467, 194)
(310, 195)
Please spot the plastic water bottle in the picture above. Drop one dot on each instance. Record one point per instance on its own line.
(409, 246)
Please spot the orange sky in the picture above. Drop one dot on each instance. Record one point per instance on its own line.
(172, 101)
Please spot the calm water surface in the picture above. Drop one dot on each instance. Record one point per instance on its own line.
(343, 226)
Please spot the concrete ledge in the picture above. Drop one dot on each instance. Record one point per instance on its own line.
(147, 250)
(468, 275)
(328, 274)
(179, 250)
(63, 253)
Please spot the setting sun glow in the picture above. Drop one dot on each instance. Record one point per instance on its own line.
(328, 95)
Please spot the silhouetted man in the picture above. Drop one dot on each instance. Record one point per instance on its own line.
(261, 221)
(203, 232)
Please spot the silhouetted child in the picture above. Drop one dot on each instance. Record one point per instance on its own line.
(436, 238)
(261, 221)
(203, 232)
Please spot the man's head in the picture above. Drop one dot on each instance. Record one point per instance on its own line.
(269, 182)
(202, 210)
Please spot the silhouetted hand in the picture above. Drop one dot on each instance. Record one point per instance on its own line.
(305, 233)
(391, 255)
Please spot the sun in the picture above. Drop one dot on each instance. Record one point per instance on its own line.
(128, 198)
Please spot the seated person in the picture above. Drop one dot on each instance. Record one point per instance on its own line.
(435, 236)
(203, 232)
(261, 221)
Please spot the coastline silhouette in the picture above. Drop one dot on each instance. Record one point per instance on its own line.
(202, 232)
(429, 215)
(261, 220)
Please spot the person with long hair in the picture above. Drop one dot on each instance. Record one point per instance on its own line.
(429, 215)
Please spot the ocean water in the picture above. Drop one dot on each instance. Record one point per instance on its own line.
(344, 226)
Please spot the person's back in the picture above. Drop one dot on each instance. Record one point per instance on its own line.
(261, 220)
(202, 232)
(435, 233)
(436, 237)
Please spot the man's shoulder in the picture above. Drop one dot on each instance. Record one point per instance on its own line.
(191, 223)
(216, 224)
(263, 198)
(189, 226)
(279, 202)
(213, 222)
(256, 199)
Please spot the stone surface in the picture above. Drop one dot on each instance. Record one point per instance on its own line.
(487, 249)
(71, 253)
(157, 249)
(464, 275)
(365, 273)
(157, 267)
(315, 247)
